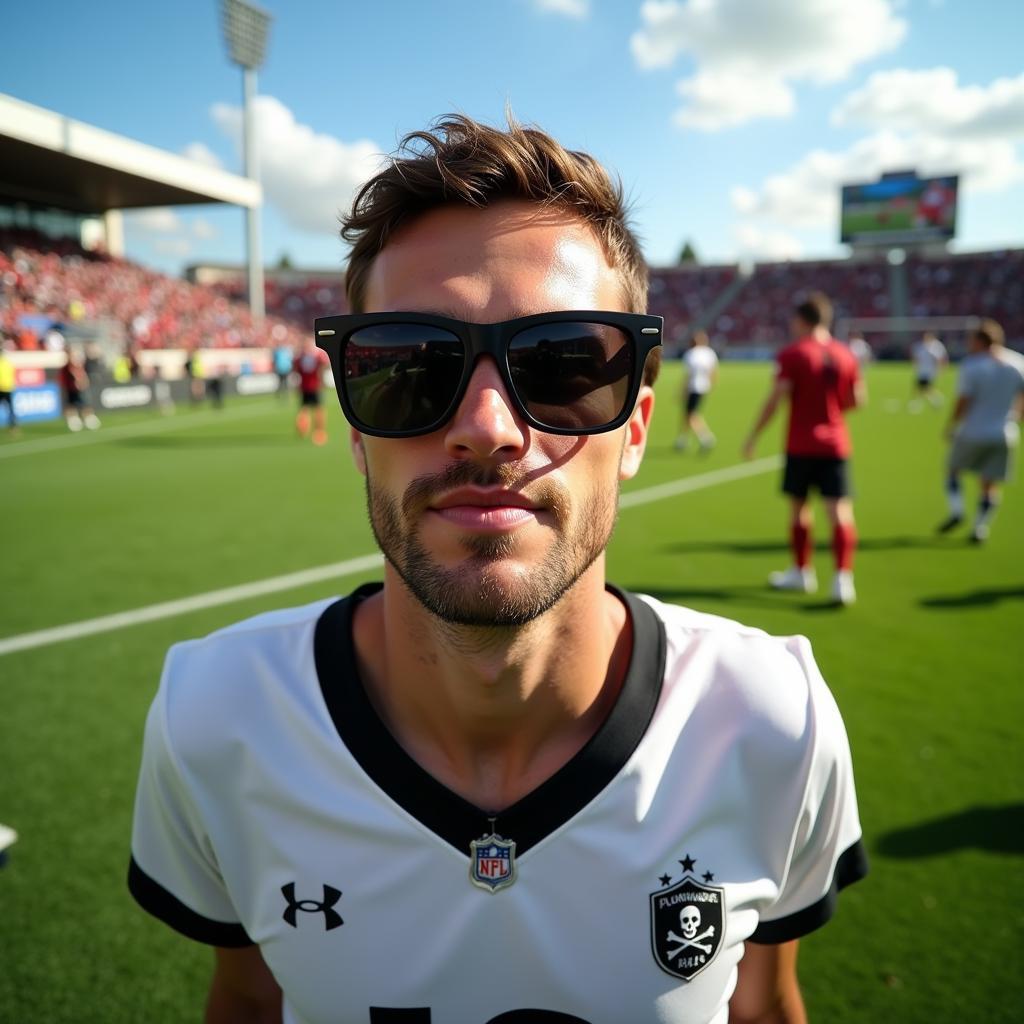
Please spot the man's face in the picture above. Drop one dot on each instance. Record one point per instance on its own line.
(488, 521)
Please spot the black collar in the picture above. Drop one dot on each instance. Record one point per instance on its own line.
(447, 814)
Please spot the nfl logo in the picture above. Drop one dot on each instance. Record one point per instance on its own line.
(492, 864)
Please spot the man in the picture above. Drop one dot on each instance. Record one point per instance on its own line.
(8, 383)
(74, 382)
(820, 379)
(929, 357)
(701, 376)
(983, 426)
(309, 365)
(860, 349)
(494, 789)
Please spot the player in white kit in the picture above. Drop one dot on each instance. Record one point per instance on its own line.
(494, 789)
(701, 374)
(929, 357)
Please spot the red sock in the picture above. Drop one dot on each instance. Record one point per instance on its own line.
(844, 543)
(800, 542)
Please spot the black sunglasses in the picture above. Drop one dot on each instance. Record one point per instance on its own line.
(404, 374)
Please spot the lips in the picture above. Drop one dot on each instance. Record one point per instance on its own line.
(483, 498)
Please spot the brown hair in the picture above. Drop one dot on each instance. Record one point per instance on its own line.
(463, 162)
(989, 333)
(815, 310)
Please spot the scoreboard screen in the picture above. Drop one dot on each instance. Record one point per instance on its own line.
(899, 209)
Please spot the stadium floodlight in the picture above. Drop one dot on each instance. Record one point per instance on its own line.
(245, 30)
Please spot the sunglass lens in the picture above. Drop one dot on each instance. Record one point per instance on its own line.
(574, 375)
(401, 377)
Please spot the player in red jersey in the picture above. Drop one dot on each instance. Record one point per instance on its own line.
(822, 381)
(309, 364)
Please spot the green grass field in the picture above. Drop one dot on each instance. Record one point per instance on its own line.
(926, 668)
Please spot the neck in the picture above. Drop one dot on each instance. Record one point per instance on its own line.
(494, 712)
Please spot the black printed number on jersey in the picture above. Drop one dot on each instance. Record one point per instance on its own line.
(421, 1015)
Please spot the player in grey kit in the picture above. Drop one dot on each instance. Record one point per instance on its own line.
(983, 426)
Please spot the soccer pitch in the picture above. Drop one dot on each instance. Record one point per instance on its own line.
(926, 669)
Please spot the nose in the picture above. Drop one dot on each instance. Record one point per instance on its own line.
(486, 424)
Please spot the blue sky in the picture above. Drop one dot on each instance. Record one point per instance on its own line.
(731, 122)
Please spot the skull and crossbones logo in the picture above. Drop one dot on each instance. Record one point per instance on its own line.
(689, 922)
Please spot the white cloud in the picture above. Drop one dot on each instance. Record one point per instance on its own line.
(719, 99)
(202, 154)
(180, 247)
(203, 229)
(570, 8)
(807, 195)
(747, 52)
(757, 243)
(155, 220)
(309, 176)
(933, 101)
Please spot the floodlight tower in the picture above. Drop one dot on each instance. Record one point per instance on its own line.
(245, 30)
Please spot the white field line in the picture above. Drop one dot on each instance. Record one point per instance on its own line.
(258, 588)
(154, 426)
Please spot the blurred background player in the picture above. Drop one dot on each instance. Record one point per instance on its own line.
(929, 357)
(283, 359)
(701, 376)
(983, 425)
(860, 349)
(309, 364)
(74, 382)
(821, 379)
(8, 378)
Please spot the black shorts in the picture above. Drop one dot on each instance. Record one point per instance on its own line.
(924, 383)
(829, 476)
(693, 400)
(310, 398)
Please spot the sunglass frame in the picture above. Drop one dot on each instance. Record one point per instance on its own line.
(644, 331)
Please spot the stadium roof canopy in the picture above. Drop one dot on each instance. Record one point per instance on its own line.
(48, 159)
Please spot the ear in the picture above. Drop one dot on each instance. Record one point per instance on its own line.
(636, 434)
(355, 441)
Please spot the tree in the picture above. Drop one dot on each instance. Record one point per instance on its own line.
(285, 262)
(688, 254)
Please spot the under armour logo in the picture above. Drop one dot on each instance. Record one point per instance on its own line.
(332, 919)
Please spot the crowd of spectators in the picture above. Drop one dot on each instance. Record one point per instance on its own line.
(46, 280)
(298, 300)
(682, 294)
(56, 281)
(987, 284)
(760, 312)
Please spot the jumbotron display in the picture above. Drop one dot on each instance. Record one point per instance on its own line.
(899, 209)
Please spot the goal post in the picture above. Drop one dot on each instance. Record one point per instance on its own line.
(890, 337)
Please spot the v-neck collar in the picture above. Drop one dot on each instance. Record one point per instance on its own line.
(448, 815)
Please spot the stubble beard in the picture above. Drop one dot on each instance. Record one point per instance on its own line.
(478, 591)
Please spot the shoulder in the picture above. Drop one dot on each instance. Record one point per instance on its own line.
(1012, 359)
(258, 666)
(766, 688)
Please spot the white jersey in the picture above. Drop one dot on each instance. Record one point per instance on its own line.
(714, 806)
(701, 363)
(928, 355)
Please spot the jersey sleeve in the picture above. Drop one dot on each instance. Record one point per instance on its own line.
(827, 852)
(173, 873)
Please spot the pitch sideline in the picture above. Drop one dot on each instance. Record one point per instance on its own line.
(200, 418)
(291, 581)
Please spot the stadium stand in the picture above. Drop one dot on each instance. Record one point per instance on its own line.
(972, 284)
(55, 280)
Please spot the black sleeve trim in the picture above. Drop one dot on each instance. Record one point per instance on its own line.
(156, 900)
(851, 867)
